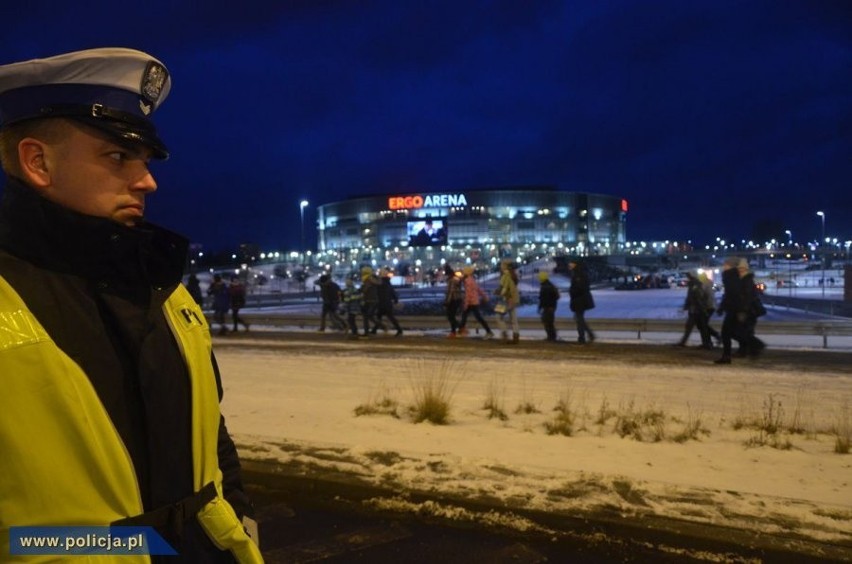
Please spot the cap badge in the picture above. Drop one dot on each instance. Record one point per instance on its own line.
(153, 80)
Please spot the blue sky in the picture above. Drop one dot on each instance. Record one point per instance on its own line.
(709, 117)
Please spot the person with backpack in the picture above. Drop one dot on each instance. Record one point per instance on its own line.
(741, 306)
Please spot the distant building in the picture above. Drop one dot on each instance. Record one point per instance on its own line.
(508, 218)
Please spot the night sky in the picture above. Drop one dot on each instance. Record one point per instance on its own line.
(710, 117)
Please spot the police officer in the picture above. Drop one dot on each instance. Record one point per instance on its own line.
(110, 405)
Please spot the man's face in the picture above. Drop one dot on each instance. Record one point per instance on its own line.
(96, 175)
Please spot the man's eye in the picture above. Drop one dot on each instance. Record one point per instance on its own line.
(118, 156)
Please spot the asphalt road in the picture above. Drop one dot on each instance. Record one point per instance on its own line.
(309, 521)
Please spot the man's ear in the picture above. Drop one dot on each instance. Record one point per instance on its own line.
(34, 162)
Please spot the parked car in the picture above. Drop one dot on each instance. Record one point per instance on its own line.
(644, 282)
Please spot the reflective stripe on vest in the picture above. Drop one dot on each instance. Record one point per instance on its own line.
(63, 461)
(217, 517)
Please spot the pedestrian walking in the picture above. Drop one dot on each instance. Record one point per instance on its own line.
(709, 310)
(193, 286)
(741, 307)
(453, 298)
(508, 298)
(331, 294)
(548, 297)
(352, 306)
(109, 414)
(387, 301)
(580, 294)
(729, 307)
(370, 300)
(473, 297)
(695, 305)
(221, 296)
(750, 345)
(237, 292)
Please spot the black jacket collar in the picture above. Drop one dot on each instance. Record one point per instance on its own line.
(97, 249)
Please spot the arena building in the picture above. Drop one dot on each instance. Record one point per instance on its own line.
(579, 223)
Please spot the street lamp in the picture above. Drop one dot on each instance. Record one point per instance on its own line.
(302, 205)
(789, 238)
(822, 241)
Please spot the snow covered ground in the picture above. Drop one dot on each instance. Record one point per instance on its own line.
(696, 442)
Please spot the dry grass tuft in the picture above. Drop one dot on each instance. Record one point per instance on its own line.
(843, 430)
(495, 402)
(433, 391)
(381, 404)
(646, 425)
(563, 422)
(770, 425)
(693, 427)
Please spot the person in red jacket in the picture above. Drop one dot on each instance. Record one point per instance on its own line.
(473, 297)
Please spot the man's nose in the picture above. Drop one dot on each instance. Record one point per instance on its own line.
(145, 182)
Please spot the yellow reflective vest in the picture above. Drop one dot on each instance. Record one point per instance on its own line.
(62, 462)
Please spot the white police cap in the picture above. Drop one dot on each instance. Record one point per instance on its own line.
(113, 89)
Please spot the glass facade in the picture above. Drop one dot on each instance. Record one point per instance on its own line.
(578, 223)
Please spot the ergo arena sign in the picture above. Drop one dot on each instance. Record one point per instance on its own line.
(429, 201)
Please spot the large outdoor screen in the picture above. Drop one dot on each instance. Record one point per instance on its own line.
(427, 232)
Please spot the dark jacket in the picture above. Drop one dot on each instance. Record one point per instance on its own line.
(370, 291)
(237, 294)
(387, 295)
(97, 287)
(751, 297)
(733, 300)
(580, 290)
(548, 295)
(218, 289)
(193, 286)
(696, 297)
(330, 293)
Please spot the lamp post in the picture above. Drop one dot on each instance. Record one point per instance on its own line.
(302, 205)
(789, 260)
(821, 242)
